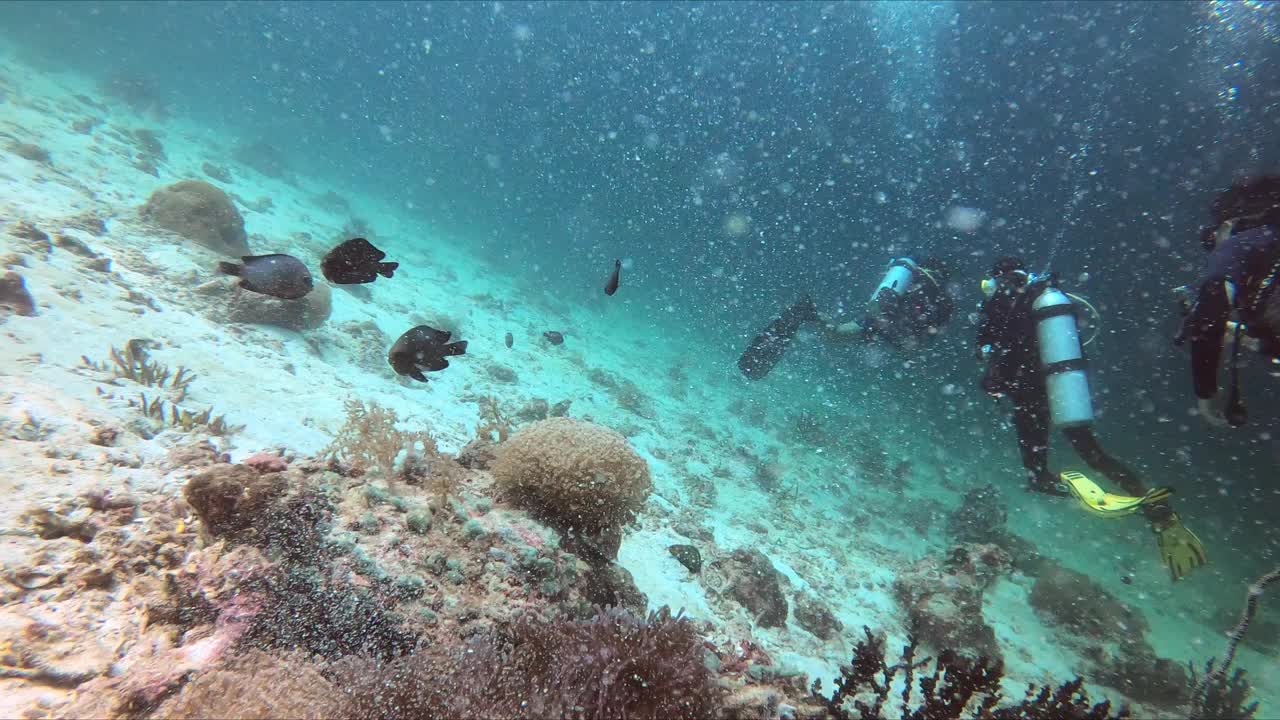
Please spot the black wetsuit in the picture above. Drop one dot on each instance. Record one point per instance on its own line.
(1249, 260)
(1013, 369)
(919, 314)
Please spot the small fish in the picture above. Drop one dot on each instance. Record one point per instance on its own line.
(356, 261)
(611, 287)
(510, 339)
(553, 337)
(1126, 579)
(423, 348)
(282, 276)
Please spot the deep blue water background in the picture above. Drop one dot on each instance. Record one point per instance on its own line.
(557, 136)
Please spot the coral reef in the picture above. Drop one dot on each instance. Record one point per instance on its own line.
(815, 617)
(581, 477)
(749, 577)
(943, 598)
(256, 685)
(265, 158)
(29, 151)
(201, 212)
(14, 296)
(613, 665)
(1077, 604)
(947, 687)
(217, 172)
(305, 313)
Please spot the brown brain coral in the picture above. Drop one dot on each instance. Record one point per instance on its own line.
(201, 212)
(578, 474)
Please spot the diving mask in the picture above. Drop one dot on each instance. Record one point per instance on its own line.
(989, 285)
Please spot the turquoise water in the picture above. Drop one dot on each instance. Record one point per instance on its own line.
(734, 157)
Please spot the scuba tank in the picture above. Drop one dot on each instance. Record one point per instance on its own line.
(897, 278)
(1062, 358)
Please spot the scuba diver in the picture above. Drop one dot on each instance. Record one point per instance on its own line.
(1030, 340)
(1237, 304)
(909, 305)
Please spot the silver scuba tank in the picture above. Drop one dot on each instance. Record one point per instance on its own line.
(1062, 358)
(897, 278)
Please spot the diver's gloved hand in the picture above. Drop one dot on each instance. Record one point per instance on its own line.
(1180, 549)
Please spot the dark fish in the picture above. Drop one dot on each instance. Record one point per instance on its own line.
(611, 287)
(282, 276)
(553, 337)
(510, 339)
(356, 261)
(769, 346)
(423, 348)
(1126, 579)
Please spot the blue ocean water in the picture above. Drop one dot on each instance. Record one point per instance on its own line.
(737, 156)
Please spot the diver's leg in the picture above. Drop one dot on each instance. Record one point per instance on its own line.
(1090, 450)
(1031, 419)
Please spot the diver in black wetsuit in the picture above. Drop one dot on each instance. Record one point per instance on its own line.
(1238, 301)
(908, 307)
(1029, 338)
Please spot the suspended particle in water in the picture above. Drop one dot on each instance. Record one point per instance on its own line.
(426, 46)
(737, 224)
(521, 33)
(881, 197)
(965, 219)
(493, 161)
(1083, 277)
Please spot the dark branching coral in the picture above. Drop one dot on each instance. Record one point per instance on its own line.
(947, 687)
(1217, 694)
(614, 665)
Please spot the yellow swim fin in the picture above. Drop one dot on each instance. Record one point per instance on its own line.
(1104, 504)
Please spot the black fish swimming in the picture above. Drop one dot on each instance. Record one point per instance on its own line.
(356, 261)
(423, 348)
(282, 276)
(611, 287)
(553, 337)
(510, 340)
(769, 346)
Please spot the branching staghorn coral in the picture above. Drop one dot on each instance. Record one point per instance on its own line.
(134, 363)
(1217, 695)
(493, 422)
(176, 417)
(370, 440)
